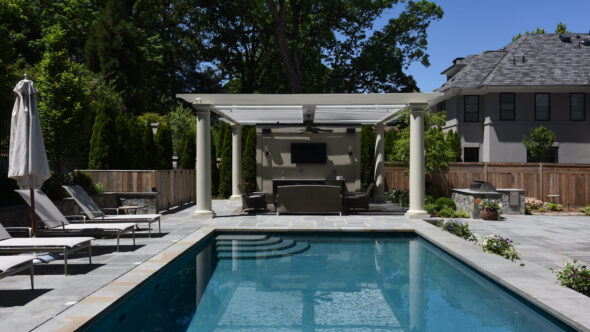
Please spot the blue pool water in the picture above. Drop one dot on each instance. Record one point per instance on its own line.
(322, 283)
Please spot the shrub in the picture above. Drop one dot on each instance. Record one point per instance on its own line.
(103, 144)
(459, 229)
(552, 206)
(82, 179)
(225, 167)
(574, 276)
(586, 210)
(461, 214)
(430, 208)
(52, 187)
(367, 156)
(164, 142)
(527, 210)
(533, 203)
(446, 212)
(249, 161)
(98, 188)
(445, 202)
(498, 245)
(429, 199)
(400, 197)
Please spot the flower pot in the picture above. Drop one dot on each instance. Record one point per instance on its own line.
(487, 214)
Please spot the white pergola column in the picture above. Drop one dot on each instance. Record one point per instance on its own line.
(379, 194)
(417, 182)
(236, 161)
(487, 125)
(204, 206)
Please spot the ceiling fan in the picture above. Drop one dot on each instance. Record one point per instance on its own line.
(309, 128)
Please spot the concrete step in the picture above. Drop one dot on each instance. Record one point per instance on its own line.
(270, 240)
(237, 237)
(298, 248)
(283, 244)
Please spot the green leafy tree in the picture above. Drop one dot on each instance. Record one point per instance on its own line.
(453, 142)
(225, 167)
(180, 120)
(437, 152)
(164, 143)
(63, 105)
(151, 157)
(222, 128)
(535, 32)
(539, 143)
(367, 155)
(390, 137)
(249, 161)
(188, 157)
(103, 144)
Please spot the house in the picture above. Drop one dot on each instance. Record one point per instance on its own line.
(494, 98)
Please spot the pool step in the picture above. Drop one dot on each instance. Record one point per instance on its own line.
(230, 237)
(281, 245)
(297, 248)
(243, 243)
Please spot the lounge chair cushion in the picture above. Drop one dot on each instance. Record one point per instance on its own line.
(9, 262)
(129, 217)
(101, 226)
(68, 242)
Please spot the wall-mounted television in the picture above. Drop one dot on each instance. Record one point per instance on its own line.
(308, 153)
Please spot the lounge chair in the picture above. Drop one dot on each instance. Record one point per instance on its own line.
(56, 223)
(253, 200)
(65, 245)
(10, 265)
(357, 200)
(96, 214)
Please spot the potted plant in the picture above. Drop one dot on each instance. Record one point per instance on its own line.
(490, 209)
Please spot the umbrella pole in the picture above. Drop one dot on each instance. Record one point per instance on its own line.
(33, 226)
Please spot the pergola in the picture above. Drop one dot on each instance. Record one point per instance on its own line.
(298, 109)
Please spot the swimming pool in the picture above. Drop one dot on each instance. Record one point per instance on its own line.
(323, 282)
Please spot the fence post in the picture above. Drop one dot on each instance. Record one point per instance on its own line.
(541, 181)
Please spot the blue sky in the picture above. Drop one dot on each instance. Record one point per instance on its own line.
(473, 26)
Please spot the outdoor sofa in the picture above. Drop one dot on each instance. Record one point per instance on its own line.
(10, 265)
(96, 214)
(65, 245)
(309, 199)
(55, 223)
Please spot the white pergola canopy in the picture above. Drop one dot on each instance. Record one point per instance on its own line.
(304, 109)
(295, 109)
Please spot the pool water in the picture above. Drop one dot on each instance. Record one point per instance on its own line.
(322, 283)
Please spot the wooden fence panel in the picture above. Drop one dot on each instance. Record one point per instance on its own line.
(570, 181)
(174, 187)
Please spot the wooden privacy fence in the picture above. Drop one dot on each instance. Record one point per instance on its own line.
(570, 181)
(174, 187)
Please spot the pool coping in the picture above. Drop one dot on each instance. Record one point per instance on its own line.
(532, 282)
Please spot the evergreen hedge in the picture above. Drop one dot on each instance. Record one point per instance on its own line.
(214, 168)
(103, 144)
(164, 143)
(151, 158)
(367, 155)
(249, 161)
(187, 158)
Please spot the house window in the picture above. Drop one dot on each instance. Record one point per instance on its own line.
(441, 107)
(577, 107)
(542, 101)
(550, 157)
(471, 108)
(471, 154)
(507, 106)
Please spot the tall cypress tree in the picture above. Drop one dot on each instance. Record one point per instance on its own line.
(164, 143)
(103, 144)
(187, 158)
(249, 161)
(225, 169)
(367, 155)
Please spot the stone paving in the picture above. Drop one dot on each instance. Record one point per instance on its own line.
(543, 242)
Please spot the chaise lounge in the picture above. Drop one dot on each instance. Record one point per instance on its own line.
(56, 223)
(10, 265)
(96, 214)
(65, 245)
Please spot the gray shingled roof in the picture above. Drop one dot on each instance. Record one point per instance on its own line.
(530, 60)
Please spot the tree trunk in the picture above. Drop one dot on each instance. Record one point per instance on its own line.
(290, 57)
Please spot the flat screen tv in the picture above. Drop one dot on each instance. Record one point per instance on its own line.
(308, 153)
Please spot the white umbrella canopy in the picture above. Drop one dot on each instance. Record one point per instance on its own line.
(27, 159)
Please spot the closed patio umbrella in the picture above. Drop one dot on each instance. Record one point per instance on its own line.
(27, 160)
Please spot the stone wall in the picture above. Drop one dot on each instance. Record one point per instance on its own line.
(470, 201)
